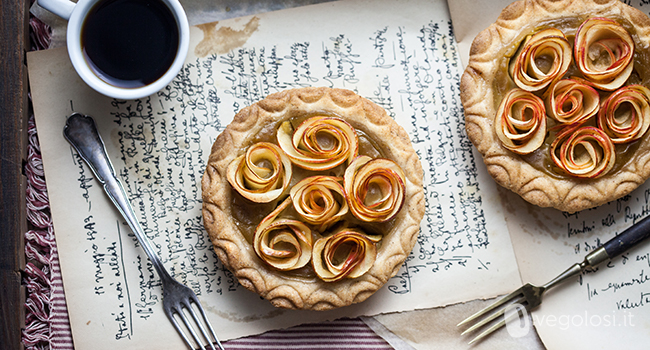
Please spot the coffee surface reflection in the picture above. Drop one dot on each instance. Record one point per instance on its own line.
(130, 43)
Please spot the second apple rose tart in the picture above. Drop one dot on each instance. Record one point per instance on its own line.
(556, 100)
(313, 198)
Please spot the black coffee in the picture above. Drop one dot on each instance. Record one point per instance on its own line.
(130, 43)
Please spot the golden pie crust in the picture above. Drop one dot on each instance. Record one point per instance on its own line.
(484, 82)
(228, 230)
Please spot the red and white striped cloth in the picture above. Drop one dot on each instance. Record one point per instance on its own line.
(339, 334)
(47, 325)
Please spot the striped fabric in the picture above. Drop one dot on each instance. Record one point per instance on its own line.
(59, 324)
(339, 334)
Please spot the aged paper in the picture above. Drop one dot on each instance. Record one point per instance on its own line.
(470, 18)
(403, 57)
(601, 310)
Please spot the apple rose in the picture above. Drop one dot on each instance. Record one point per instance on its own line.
(262, 174)
(625, 115)
(319, 143)
(572, 102)
(347, 253)
(542, 59)
(603, 52)
(375, 188)
(320, 200)
(284, 244)
(585, 151)
(520, 122)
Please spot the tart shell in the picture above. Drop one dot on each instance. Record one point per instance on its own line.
(236, 252)
(480, 85)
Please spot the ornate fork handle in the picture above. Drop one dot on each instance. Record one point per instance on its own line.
(82, 134)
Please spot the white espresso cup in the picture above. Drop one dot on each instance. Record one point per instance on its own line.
(125, 49)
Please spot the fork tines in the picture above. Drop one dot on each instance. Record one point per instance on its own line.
(181, 310)
(494, 311)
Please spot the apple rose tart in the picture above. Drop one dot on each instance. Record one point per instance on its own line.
(313, 198)
(556, 100)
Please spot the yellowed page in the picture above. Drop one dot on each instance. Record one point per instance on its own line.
(603, 310)
(470, 17)
(401, 57)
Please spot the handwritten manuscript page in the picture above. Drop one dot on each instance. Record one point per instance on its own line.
(403, 57)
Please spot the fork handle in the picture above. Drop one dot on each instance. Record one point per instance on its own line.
(612, 248)
(82, 134)
(618, 245)
(628, 238)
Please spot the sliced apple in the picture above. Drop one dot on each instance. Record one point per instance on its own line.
(625, 115)
(603, 52)
(572, 101)
(348, 253)
(282, 243)
(262, 174)
(542, 59)
(583, 151)
(520, 122)
(320, 200)
(375, 188)
(319, 143)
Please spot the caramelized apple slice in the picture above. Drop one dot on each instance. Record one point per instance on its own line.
(320, 200)
(262, 174)
(542, 59)
(319, 143)
(571, 101)
(603, 51)
(583, 151)
(520, 122)
(625, 115)
(374, 188)
(347, 253)
(284, 244)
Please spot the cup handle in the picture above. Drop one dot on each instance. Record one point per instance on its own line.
(61, 8)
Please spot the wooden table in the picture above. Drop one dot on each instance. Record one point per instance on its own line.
(14, 43)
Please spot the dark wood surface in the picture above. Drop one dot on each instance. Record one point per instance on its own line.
(13, 135)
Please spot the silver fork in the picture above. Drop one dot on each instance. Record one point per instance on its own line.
(178, 299)
(530, 296)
